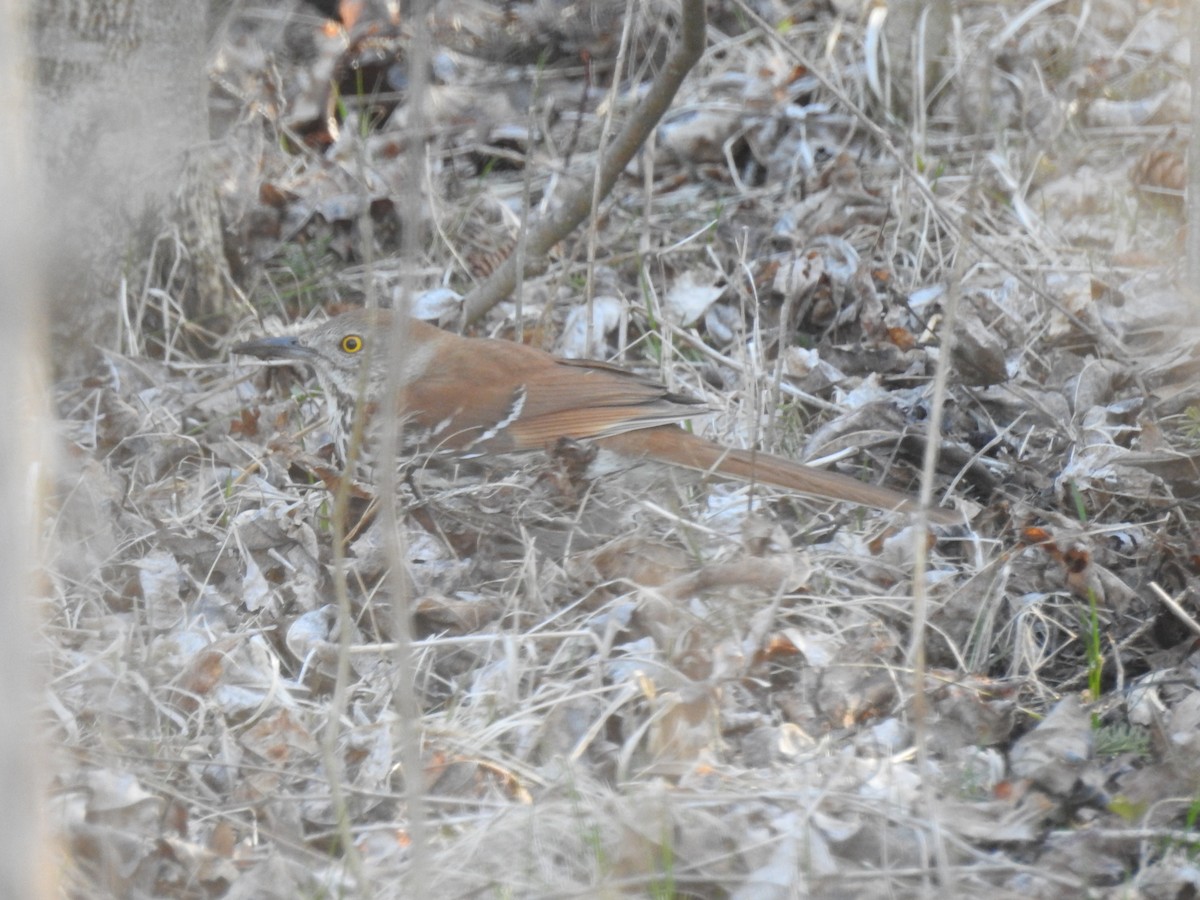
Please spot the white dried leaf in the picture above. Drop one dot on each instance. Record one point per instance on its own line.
(690, 297)
(301, 531)
(837, 830)
(996, 820)
(1184, 729)
(373, 743)
(1145, 703)
(723, 322)
(256, 592)
(260, 528)
(838, 256)
(868, 391)
(173, 652)
(920, 299)
(698, 135)
(797, 852)
(606, 316)
(1091, 389)
(807, 367)
(888, 736)
(727, 506)
(897, 549)
(1163, 308)
(817, 648)
(161, 580)
(433, 305)
(798, 276)
(236, 700)
(1167, 106)
(1099, 466)
(636, 657)
(1053, 754)
(898, 785)
(311, 632)
(159, 575)
(304, 579)
(792, 740)
(115, 790)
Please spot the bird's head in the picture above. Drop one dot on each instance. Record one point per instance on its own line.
(337, 350)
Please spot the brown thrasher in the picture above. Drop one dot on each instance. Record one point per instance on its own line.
(475, 396)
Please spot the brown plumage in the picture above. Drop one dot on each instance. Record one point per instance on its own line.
(473, 396)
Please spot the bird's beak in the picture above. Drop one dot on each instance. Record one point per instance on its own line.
(284, 347)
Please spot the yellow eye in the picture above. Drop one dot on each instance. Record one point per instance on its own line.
(352, 343)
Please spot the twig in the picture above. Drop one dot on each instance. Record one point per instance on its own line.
(578, 204)
(1178, 611)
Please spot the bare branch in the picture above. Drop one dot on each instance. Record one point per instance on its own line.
(578, 204)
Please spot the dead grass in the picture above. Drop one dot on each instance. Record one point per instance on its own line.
(640, 685)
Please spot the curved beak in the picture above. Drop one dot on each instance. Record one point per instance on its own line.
(284, 347)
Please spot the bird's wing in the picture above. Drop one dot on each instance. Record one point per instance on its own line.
(553, 399)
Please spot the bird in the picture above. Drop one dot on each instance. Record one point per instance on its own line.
(472, 397)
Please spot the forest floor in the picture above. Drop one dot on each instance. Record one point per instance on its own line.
(644, 684)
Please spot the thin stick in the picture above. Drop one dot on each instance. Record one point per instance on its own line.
(578, 204)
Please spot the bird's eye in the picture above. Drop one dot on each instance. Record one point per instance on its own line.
(352, 343)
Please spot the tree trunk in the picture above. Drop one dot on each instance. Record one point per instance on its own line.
(121, 126)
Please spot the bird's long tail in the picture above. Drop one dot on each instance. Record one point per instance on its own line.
(678, 447)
